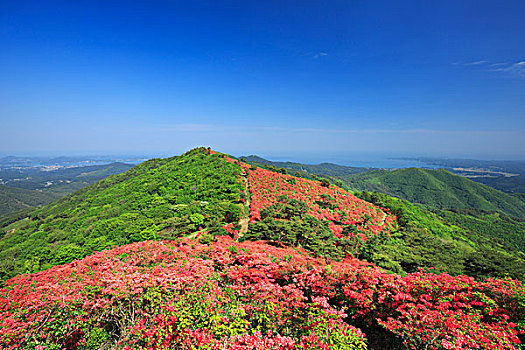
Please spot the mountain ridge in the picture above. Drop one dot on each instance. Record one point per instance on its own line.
(313, 267)
(203, 192)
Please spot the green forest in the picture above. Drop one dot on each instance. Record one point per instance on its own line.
(13, 199)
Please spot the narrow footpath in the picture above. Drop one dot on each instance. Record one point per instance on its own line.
(246, 210)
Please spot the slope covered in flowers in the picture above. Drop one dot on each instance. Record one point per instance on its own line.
(345, 213)
(228, 295)
(314, 215)
(215, 292)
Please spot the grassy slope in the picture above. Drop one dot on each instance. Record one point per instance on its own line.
(13, 199)
(437, 189)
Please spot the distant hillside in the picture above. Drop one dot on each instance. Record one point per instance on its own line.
(13, 199)
(28, 187)
(462, 242)
(504, 175)
(436, 189)
(514, 184)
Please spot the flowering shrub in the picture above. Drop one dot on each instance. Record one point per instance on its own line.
(345, 213)
(441, 311)
(326, 219)
(157, 295)
(228, 295)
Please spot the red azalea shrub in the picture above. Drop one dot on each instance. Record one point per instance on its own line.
(440, 311)
(251, 295)
(346, 214)
(152, 295)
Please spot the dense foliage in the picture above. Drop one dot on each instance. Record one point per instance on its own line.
(449, 242)
(157, 199)
(317, 216)
(345, 214)
(491, 224)
(437, 189)
(287, 222)
(227, 295)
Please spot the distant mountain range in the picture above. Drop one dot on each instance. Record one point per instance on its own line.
(59, 179)
(32, 161)
(329, 169)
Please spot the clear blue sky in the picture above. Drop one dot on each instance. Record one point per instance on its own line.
(267, 77)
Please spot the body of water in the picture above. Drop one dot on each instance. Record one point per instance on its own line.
(387, 163)
(355, 160)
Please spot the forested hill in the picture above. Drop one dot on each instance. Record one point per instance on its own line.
(437, 189)
(195, 193)
(13, 199)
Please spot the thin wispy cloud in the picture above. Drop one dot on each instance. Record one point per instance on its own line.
(475, 63)
(516, 68)
(320, 54)
(498, 64)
